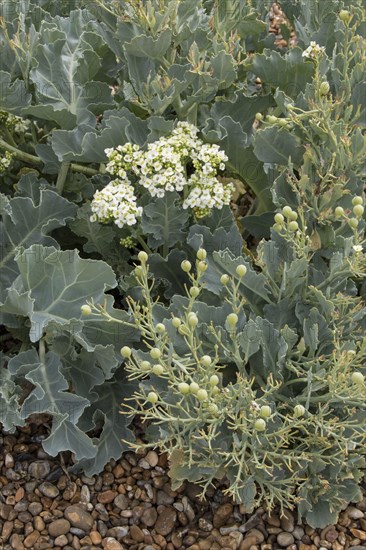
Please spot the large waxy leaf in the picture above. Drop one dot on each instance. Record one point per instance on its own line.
(241, 108)
(57, 283)
(28, 220)
(10, 393)
(50, 395)
(164, 220)
(278, 146)
(168, 271)
(98, 236)
(146, 46)
(13, 95)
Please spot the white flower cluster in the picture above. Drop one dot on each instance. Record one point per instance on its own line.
(313, 50)
(208, 192)
(162, 168)
(116, 202)
(5, 161)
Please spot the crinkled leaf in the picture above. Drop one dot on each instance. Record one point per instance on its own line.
(164, 221)
(277, 145)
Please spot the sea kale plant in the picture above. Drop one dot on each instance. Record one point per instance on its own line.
(129, 274)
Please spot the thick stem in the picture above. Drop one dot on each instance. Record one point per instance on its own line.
(62, 175)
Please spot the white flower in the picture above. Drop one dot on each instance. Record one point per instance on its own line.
(357, 247)
(313, 50)
(116, 202)
(208, 192)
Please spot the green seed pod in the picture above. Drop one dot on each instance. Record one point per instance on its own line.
(126, 352)
(86, 310)
(299, 410)
(202, 266)
(293, 226)
(183, 387)
(201, 254)
(142, 256)
(282, 122)
(202, 395)
(293, 215)
(213, 408)
(339, 212)
(357, 200)
(158, 370)
(192, 320)
(224, 279)
(145, 366)
(259, 117)
(155, 353)
(183, 330)
(194, 291)
(286, 211)
(265, 411)
(176, 322)
(214, 380)
(153, 397)
(260, 425)
(232, 319)
(160, 328)
(279, 219)
(139, 271)
(215, 390)
(353, 222)
(277, 227)
(358, 210)
(186, 266)
(272, 119)
(194, 387)
(241, 270)
(206, 360)
(324, 88)
(358, 378)
(345, 16)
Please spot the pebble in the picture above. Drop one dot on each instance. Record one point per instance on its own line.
(49, 490)
(222, 514)
(136, 533)
(121, 501)
(39, 469)
(149, 517)
(354, 513)
(59, 527)
(61, 541)
(31, 539)
(112, 544)
(79, 518)
(165, 522)
(285, 539)
(359, 534)
(106, 497)
(287, 521)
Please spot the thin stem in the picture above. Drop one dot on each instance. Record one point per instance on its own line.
(62, 175)
(142, 243)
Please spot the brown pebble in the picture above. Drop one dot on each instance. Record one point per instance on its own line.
(136, 533)
(107, 496)
(19, 494)
(79, 518)
(165, 522)
(61, 541)
(222, 514)
(358, 534)
(112, 544)
(16, 542)
(31, 539)
(59, 527)
(149, 517)
(247, 542)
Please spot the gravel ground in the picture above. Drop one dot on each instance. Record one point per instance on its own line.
(131, 506)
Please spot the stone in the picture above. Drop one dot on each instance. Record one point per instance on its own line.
(259, 537)
(112, 544)
(121, 501)
(79, 518)
(31, 539)
(358, 534)
(149, 517)
(285, 539)
(163, 498)
(16, 542)
(165, 522)
(61, 541)
(39, 469)
(136, 533)
(331, 535)
(152, 458)
(7, 530)
(49, 490)
(95, 537)
(38, 523)
(106, 497)
(354, 513)
(59, 527)
(35, 508)
(287, 521)
(222, 514)
(298, 532)
(247, 542)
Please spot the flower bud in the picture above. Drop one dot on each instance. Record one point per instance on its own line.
(339, 212)
(158, 370)
(344, 16)
(293, 215)
(142, 256)
(213, 408)
(286, 211)
(186, 266)
(194, 291)
(353, 222)
(357, 200)
(224, 279)
(277, 227)
(259, 117)
(214, 380)
(358, 210)
(201, 254)
(272, 119)
(241, 270)
(265, 411)
(202, 395)
(183, 387)
(293, 226)
(358, 378)
(194, 387)
(215, 390)
(86, 310)
(206, 360)
(126, 352)
(139, 271)
(260, 425)
(279, 219)
(183, 330)
(202, 266)
(152, 397)
(232, 319)
(155, 353)
(299, 410)
(176, 322)
(282, 122)
(324, 88)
